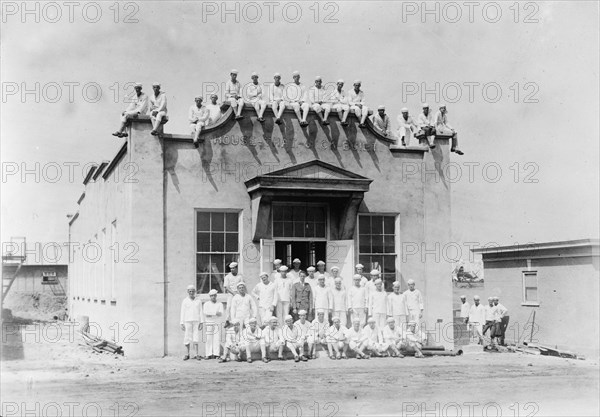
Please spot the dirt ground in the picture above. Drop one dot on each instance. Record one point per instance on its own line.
(65, 378)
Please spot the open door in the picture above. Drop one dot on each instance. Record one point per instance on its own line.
(341, 253)
(267, 255)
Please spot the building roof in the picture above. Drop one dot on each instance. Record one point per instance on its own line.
(559, 249)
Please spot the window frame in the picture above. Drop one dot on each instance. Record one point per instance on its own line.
(211, 211)
(306, 204)
(525, 301)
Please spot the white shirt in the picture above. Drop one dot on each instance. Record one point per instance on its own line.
(357, 297)
(265, 294)
(414, 300)
(272, 335)
(355, 335)
(490, 313)
(242, 307)
(190, 310)
(477, 314)
(382, 124)
(312, 281)
(323, 297)
(339, 97)
(374, 335)
(283, 287)
(196, 114)
(276, 92)
(336, 335)
(295, 93)
(397, 305)
(501, 311)
(138, 103)
(378, 302)
(158, 103)
(441, 120)
(303, 328)
(406, 124)
(250, 336)
(214, 111)
(211, 309)
(319, 328)
(464, 310)
(231, 281)
(356, 98)
(232, 90)
(316, 95)
(389, 335)
(339, 299)
(423, 120)
(255, 91)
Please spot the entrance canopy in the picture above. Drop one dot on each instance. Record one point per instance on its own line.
(313, 181)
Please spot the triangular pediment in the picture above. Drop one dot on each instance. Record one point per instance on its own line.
(316, 170)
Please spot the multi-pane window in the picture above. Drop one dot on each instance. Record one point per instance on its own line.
(299, 220)
(377, 247)
(217, 245)
(530, 287)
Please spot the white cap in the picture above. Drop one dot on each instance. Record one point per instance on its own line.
(214, 95)
(191, 287)
(233, 71)
(277, 75)
(318, 77)
(357, 276)
(320, 263)
(272, 319)
(356, 320)
(296, 261)
(137, 85)
(340, 81)
(233, 265)
(404, 110)
(442, 105)
(371, 320)
(495, 298)
(295, 73)
(381, 107)
(321, 276)
(254, 74)
(277, 262)
(213, 292)
(310, 269)
(288, 317)
(283, 269)
(391, 320)
(266, 274)
(357, 82)
(198, 97)
(424, 105)
(155, 84)
(375, 272)
(475, 297)
(378, 281)
(396, 284)
(241, 284)
(359, 266)
(335, 318)
(338, 279)
(410, 281)
(463, 296)
(236, 321)
(301, 312)
(252, 320)
(335, 267)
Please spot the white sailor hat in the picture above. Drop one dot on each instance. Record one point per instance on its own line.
(375, 272)
(288, 317)
(321, 276)
(391, 320)
(495, 298)
(357, 82)
(378, 281)
(198, 97)
(155, 84)
(490, 298)
(302, 312)
(463, 296)
(411, 323)
(425, 105)
(137, 85)
(277, 262)
(320, 263)
(338, 279)
(381, 107)
(335, 267)
(233, 71)
(318, 78)
(396, 284)
(283, 269)
(277, 75)
(272, 319)
(263, 273)
(335, 318)
(213, 292)
(359, 266)
(236, 321)
(241, 284)
(252, 320)
(442, 105)
(191, 287)
(355, 320)
(310, 269)
(254, 74)
(214, 95)
(296, 261)
(371, 320)
(320, 312)
(295, 73)
(340, 81)
(410, 281)
(404, 110)
(357, 276)
(233, 265)
(476, 297)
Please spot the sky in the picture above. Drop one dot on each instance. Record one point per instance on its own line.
(520, 81)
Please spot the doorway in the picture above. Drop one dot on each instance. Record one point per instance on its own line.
(309, 252)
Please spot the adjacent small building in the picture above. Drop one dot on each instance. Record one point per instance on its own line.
(163, 214)
(558, 281)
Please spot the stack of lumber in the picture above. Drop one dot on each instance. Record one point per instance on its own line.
(538, 349)
(101, 345)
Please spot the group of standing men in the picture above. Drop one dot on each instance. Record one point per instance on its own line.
(481, 319)
(301, 99)
(297, 310)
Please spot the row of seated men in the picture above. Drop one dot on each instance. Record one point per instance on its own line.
(481, 320)
(301, 100)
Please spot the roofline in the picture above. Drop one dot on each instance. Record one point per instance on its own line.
(562, 244)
